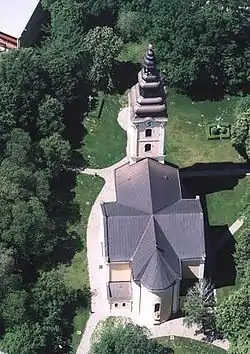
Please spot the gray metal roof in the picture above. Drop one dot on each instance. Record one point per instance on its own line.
(151, 225)
(119, 291)
(142, 185)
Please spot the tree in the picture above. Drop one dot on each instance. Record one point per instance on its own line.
(202, 41)
(117, 335)
(102, 46)
(24, 339)
(50, 117)
(21, 70)
(18, 147)
(52, 302)
(55, 152)
(14, 308)
(199, 307)
(242, 254)
(9, 280)
(62, 52)
(240, 134)
(232, 318)
(130, 24)
(29, 230)
(242, 105)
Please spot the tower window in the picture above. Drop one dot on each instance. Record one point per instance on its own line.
(157, 307)
(147, 147)
(148, 132)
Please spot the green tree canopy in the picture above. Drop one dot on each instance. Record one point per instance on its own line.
(199, 306)
(117, 335)
(24, 338)
(241, 134)
(102, 47)
(233, 318)
(14, 308)
(55, 152)
(50, 117)
(202, 40)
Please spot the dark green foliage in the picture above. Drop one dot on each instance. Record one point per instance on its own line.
(14, 308)
(116, 335)
(50, 117)
(24, 338)
(242, 105)
(102, 46)
(201, 41)
(242, 254)
(199, 307)
(233, 319)
(241, 129)
(37, 87)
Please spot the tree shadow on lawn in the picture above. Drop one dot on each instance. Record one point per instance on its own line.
(124, 75)
(65, 212)
(205, 89)
(75, 131)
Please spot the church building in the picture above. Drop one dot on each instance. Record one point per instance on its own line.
(153, 238)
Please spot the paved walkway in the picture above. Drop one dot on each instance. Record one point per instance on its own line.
(236, 225)
(123, 118)
(97, 277)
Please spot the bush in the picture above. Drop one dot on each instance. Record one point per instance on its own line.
(223, 130)
(215, 131)
(131, 24)
(242, 105)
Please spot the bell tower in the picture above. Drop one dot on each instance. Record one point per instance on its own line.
(147, 113)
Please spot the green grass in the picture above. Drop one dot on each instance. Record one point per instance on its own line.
(188, 346)
(79, 324)
(186, 141)
(133, 52)
(224, 207)
(105, 142)
(76, 274)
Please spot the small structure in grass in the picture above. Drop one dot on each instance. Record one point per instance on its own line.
(218, 131)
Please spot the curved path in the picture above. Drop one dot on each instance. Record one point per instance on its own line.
(99, 304)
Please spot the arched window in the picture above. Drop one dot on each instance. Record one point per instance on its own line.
(147, 147)
(157, 307)
(148, 132)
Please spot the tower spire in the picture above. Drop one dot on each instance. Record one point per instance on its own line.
(147, 113)
(149, 64)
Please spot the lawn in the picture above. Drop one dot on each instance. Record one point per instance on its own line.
(188, 346)
(133, 52)
(186, 142)
(224, 207)
(105, 141)
(76, 274)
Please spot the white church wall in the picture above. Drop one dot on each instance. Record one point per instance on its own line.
(136, 293)
(148, 302)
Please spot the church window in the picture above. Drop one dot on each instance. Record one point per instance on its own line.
(157, 307)
(148, 132)
(147, 147)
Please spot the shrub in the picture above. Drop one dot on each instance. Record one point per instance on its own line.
(242, 105)
(215, 130)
